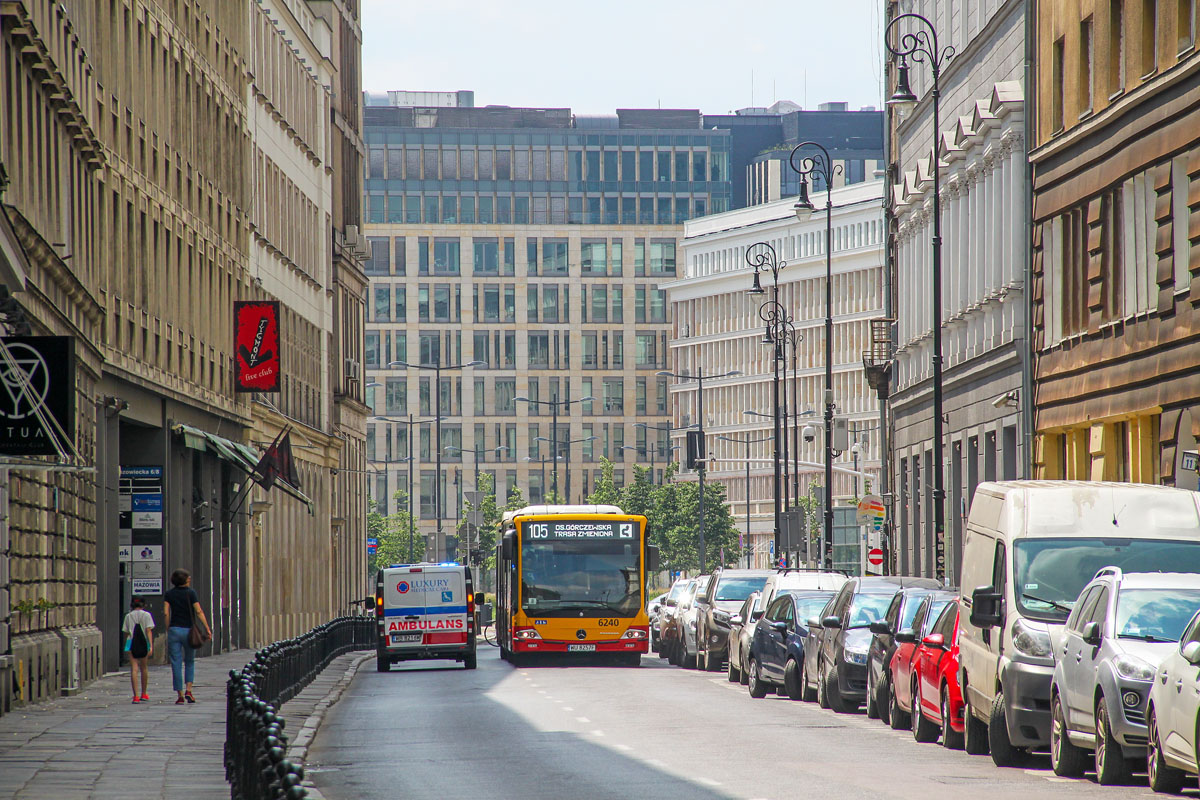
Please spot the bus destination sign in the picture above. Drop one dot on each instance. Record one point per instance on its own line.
(579, 530)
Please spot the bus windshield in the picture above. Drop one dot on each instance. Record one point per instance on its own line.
(589, 578)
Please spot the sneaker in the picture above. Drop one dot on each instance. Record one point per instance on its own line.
(135, 700)
(145, 698)
(189, 697)
(179, 701)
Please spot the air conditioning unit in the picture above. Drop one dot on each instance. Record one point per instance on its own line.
(353, 369)
(351, 236)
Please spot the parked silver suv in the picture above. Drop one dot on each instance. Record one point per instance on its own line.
(1121, 628)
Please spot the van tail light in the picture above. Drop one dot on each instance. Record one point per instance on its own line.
(470, 603)
(379, 605)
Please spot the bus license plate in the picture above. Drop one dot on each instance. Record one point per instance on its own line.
(406, 638)
(581, 648)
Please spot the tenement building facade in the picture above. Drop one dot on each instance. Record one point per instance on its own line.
(1116, 215)
(717, 327)
(980, 153)
(161, 161)
(537, 243)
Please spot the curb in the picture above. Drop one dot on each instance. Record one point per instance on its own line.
(298, 749)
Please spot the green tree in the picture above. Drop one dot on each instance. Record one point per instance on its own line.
(393, 532)
(605, 492)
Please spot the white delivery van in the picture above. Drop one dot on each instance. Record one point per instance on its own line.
(425, 611)
(1029, 548)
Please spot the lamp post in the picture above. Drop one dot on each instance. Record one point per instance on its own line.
(567, 458)
(437, 368)
(700, 378)
(922, 45)
(666, 429)
(746, 442)
(555, 404)
(821, 165)
(451, 449)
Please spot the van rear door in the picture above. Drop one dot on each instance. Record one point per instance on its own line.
(404, 598)
(445, 606)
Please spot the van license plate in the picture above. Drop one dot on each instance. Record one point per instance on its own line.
(406, 638)
(580, 648)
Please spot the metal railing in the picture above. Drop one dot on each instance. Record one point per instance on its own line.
(255, 746)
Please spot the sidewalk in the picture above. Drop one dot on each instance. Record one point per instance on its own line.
(99, 745)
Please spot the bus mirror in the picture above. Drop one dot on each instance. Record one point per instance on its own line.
(651, 558)
(507, 547)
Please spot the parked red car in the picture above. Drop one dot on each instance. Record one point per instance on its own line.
(938, 704)
(902, 678)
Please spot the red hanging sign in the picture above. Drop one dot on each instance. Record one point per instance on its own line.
(256, 345)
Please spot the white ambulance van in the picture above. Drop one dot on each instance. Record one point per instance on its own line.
(425, 611)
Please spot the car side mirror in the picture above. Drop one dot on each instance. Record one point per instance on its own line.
(507, 546)
(814, 622)
(736, 619)
(831, 622)
(934, 640)
(985, 607)
(755, 616)
(1191, 652)
(1091, 633)
(651, 558)
(906, 636)
(670, 602)
(881, 627)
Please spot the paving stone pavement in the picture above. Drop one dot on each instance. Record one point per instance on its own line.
(98, 744)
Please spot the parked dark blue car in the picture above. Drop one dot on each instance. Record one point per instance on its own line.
(777, 649)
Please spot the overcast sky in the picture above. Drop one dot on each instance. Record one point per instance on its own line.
(595, 57)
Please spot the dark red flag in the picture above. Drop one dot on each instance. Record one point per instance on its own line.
(277, 463)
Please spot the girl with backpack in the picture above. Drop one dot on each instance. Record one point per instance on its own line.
(139, 630)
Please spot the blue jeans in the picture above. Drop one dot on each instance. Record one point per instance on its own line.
(181, 654)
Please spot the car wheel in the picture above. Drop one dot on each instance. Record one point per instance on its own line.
(951, 739)
(872, 700)
(898, 718)
(758, 689)
(807, 693)
(712, 664)
(734, 672)
(882, 700)
(469, 661)
(1163, 777)
(822, 688)
(1111, 767)
(923, 730)
(1065, 757)
(1003, 752)
(688, 659)
(791, 680)
(833, 693)
(383, 663)
(743, 674)
(975, 735)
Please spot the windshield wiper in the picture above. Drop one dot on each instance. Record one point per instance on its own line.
(1144, 637)
(1059, 606)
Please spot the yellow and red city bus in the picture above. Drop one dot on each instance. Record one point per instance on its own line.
(572, 579)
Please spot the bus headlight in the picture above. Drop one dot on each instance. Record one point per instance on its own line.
(526, 633)
(635, 633)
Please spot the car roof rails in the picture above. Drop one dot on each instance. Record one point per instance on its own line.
(1105, 571)
(782, 570)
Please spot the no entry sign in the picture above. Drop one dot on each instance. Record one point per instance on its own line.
(875, 556)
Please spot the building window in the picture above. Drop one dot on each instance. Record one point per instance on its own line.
(550, 303)
(1085, 66)
(396, 398)
(1149, 36)
(1056, 98)
(487, 257)
(590, 357)
(614, 395)
(506, 392)
(445, 256)
(379, 263)
(539, 350)
(662, 256)
(593, 257)
(371, 349)
(1186, 25)
(383, 304)
(554, 257)
(646, 354)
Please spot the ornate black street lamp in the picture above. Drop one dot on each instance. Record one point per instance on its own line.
(922, 46)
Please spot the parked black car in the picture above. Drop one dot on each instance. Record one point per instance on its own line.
(840, 671)
(725, 593)
(899, 617)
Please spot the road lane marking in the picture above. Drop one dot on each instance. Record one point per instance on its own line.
(597, 733)
(624, 747)
(654, 762)
(708, 781)
(582, 719)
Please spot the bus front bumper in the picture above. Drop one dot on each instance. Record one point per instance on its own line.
(552, 646)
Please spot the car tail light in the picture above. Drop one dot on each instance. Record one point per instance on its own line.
(526, 634)
(636, 632)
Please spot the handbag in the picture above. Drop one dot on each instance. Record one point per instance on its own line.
(197, 637)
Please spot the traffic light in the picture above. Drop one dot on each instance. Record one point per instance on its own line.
(695, 450)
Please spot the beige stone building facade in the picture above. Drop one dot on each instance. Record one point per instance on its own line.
(133, 218)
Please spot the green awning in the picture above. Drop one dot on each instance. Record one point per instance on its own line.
(242, 456)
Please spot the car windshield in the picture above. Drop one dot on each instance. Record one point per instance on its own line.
(1050, 573)
(809, 604)
(867, 608)
(912, 604)
(1156, 615)
(677, 591)
(592, 577)
(735, 590)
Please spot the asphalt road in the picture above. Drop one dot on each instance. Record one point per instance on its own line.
(437, 731)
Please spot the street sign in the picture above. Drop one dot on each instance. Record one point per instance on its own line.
(1189, 460)
(871, 511)
(875, 556)
(474, 498)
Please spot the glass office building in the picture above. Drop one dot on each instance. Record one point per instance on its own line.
(537, 242)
